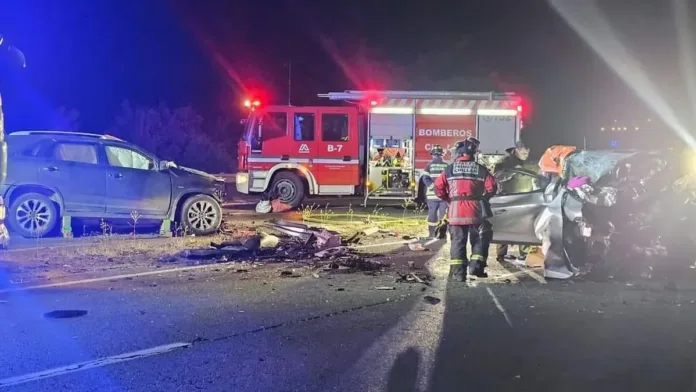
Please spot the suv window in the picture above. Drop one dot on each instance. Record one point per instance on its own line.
(72, 152)
(334, 127)
(304, 127)
(125, 157)
(510, 182)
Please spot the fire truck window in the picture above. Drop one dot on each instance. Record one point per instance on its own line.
(275, 124)
(304, 127)
(334, 127)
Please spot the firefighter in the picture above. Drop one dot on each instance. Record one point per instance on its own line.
(436, 206)
(518, 157)
(467, 187)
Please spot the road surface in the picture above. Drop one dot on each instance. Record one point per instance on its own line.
(217, 329)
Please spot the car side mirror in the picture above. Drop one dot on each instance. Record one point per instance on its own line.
(165, 165)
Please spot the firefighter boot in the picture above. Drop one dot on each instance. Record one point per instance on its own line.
(431, 231)
(457, 272)
(441, 230)
(477, 269)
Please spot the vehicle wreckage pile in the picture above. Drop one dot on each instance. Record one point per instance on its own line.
(295, 243)
(621, 213)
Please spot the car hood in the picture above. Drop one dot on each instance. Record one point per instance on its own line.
(198, 173)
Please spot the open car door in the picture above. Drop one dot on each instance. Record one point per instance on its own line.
(515, 211)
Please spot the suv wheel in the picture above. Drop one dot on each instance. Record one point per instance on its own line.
(201, 214)
(32, 215)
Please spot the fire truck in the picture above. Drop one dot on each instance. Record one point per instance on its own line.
(376, 145)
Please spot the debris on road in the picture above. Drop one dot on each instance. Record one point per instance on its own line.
(417, 247)
(371, 230)
(415, 277)
(62, 314)
(296, 242)
(385, 288)
(432, 300)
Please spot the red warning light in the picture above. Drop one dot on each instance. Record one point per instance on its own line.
(373, 103)
(248, 103)
(519, 108)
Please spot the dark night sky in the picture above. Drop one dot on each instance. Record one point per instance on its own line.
(91, 55)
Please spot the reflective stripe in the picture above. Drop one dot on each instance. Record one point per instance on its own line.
(456, 261)
(476, 257)
(433, 223)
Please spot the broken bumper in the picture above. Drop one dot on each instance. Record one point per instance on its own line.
(242, 183)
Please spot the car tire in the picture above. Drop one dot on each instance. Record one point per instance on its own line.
(289, 187)
(32, 215)
(201, 215)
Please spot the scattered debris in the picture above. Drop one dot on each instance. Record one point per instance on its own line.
(432, 300)
(62, 314)
(415, 277)
(268, 241)
(295, 242)
(370, 231)
(326, 239)
(385, 288)
(279, 206)
(417, 247)
(289, 274)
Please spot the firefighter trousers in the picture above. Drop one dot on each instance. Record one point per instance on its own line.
(436, 212)
(480, 236)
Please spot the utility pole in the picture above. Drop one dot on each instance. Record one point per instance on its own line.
(289, 82)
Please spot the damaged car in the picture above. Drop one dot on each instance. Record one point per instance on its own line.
(596, 208)
(54, 175)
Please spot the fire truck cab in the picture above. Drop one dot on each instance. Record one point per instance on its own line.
(377, 147)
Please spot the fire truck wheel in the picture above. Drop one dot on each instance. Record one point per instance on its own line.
(289, 188)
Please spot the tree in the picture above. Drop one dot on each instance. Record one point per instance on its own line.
(66, 119)
(173, 134)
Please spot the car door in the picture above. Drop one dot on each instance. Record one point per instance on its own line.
(75, 171)
(514, 213)
(134, 183)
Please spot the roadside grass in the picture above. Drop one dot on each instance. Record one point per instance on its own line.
(104, 251)
(410, 221)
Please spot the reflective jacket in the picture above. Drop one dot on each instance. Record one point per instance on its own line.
(467, 186)
(432, 171)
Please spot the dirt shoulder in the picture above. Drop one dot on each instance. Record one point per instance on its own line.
(50, 260)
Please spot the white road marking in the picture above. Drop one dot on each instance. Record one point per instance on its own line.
(150, 273)
(499, 306)
(78, 367)
(420, 329)
(114, 277)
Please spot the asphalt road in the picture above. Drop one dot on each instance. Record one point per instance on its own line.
(217, 329)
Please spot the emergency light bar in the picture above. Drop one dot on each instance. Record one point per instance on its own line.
(398, 94)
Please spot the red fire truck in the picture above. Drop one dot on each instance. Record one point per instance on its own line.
(376, 146)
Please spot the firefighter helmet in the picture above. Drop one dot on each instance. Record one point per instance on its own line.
(469, 146)
(437, 150)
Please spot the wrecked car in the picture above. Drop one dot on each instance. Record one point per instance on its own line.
(593, 208)
(56, 174)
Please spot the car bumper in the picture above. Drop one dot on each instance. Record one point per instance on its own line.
(242, 183)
